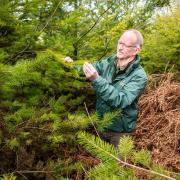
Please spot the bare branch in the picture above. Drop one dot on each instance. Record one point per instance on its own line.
(93, 24)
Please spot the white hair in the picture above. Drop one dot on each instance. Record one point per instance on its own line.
(139, 37)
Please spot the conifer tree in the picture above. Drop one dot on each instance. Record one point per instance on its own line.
(38, 101)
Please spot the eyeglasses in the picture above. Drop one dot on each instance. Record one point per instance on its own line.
(127, 46)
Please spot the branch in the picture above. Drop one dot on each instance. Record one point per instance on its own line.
(47, 22)
(127, 164)
(105, 51)
(93, 24)
(46, 130)
(27, 171)
(91, 120)
(16, 55)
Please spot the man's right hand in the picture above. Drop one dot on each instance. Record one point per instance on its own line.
(90, 72)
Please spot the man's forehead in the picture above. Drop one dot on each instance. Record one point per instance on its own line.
(129, 36)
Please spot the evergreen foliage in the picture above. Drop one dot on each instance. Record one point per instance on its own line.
(109, 156)
(161, 50)
(106, 121)
(126, 147)
(112, 165)
(38, 102)
(142, 157)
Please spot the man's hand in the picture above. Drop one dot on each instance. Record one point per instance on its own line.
(90, 71)
(68, 59)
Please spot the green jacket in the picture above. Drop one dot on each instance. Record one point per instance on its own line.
(117, 89)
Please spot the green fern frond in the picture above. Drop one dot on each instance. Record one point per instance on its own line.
(77, 101)
(128, 174)
(21, 75)
(104, 177)
(50, 117)
(97, 147)
(58, 105)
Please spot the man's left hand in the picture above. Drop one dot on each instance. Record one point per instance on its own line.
(90, 71)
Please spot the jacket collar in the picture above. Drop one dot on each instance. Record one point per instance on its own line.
(132, 65)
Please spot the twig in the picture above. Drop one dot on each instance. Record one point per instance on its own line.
(28, 171)
(21, 123)
(47, 22)
(20, 52)
(93, 24)
(91, 119)
(145, 170)
(38, 129)
(21, 175)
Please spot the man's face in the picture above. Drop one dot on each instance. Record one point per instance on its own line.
(127, 46)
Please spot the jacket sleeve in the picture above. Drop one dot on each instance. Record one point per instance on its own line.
(120, 97)
(98, 65)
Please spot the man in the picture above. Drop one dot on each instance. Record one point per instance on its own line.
(119, 80)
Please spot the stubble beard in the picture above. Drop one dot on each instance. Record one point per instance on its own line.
(124, 58)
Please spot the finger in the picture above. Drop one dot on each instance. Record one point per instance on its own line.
(90, 66)
(84, 68)
(87, 69)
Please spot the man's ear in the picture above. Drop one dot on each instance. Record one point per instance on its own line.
(138, 49)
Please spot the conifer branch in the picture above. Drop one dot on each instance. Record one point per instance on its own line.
(143, 169)
(47, 22)
(92, 145)
(101, 15)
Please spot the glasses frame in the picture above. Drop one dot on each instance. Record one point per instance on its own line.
(125, 45)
